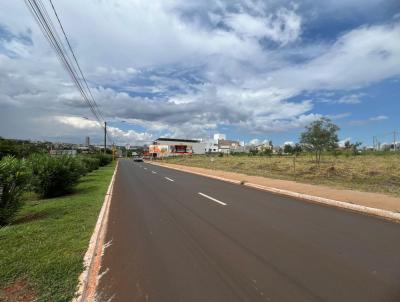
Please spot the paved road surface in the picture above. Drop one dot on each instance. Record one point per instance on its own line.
(176, 236)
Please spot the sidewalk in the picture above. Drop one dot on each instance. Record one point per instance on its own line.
(372, 200)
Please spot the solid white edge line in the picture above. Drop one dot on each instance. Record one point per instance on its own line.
(84, 291)
(213, 199)
(167, 178)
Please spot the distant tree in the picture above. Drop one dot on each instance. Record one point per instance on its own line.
(320, 135)
(267, 151)
(288, 149)
(297, 149)
(253, 151)
(353, 147)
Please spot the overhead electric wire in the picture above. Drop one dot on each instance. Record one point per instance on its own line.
(76, 61)
(44, 24)
(48, 29)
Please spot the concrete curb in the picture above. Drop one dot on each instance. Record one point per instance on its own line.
(393, 216)
(91, 260)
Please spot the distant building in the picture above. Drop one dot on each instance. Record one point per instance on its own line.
(211, 146)
(229, 146)
(63, 152)
(164, 147)
(87, 141)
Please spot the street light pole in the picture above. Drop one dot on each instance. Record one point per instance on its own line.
(105, 137)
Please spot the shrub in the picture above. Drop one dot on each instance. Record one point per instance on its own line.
(14, 178)
(55, 176)
(105, 159)
(89, 163)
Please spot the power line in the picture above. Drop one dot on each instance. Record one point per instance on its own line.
(41, 16)
(76, 61)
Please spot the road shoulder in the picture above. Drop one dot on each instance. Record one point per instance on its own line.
(92, 260)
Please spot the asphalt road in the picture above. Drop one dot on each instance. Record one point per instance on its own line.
(175, 236)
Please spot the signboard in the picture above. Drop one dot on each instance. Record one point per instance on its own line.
(159, 149)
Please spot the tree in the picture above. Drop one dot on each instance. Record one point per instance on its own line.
(297, 149)
(288, 149)
(267, 151)
(320, 135)
(354, 147)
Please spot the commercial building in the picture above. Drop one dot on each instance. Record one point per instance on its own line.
(164, 147)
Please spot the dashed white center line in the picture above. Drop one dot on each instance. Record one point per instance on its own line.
(153, 172)
(167, 178)
(213, 199)
(145, 168)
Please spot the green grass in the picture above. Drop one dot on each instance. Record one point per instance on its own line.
(371, 173)
(46, 243)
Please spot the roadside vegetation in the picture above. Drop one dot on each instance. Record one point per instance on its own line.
(44, 240)
(369, 172)
(47, 176)
(316, 159)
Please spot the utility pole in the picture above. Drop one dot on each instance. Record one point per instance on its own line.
(113, 151)
(394, 140)
(105, 137)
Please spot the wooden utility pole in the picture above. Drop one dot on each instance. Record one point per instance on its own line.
(394, 140)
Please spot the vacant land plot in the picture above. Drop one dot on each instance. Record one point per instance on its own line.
(41, 254)
(372, 173)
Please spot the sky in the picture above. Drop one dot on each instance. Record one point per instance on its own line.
(254, 70)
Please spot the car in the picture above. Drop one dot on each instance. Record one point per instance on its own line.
(137, 158)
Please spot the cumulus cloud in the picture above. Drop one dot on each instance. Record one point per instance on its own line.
(184, 67)
(257, 142)
(282, 27)
(359, 57)
(91, 127)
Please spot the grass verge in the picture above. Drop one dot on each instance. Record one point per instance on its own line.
(44, 247)
(370, 173)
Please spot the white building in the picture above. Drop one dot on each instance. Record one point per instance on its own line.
(164, 147)
(211, 145)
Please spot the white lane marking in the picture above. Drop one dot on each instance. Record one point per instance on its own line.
(167, 178)
(145, 168)
(213, 199)
(153, 172)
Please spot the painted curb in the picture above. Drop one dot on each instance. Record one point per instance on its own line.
(91, 260)
(393, 216)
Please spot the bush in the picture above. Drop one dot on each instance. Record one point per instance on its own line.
(105, 159)
(55, 176)
(89, 163)
(14, 179)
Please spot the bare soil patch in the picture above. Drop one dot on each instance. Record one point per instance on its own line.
(17, 291)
